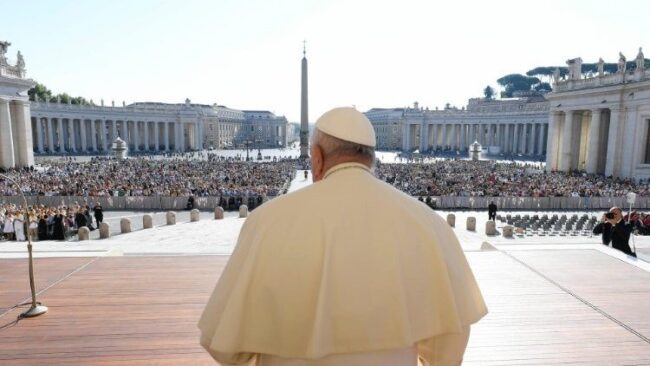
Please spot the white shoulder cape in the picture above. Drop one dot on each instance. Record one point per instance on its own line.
(348, 264)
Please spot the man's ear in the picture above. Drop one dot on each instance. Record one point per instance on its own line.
(317, 163)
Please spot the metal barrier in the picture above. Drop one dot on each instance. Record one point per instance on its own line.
(445, 202)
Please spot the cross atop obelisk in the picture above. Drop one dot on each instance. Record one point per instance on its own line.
(304, 114)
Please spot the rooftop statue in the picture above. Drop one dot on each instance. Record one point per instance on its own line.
(556, 75)
(621, 63)
(601, 67)
(640, 60)
(4, 46)
(21, 61)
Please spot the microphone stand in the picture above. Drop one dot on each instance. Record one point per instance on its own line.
(36, 307)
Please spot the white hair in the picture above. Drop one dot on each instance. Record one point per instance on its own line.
(333, 146)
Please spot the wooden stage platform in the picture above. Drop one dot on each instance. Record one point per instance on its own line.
(547, 307)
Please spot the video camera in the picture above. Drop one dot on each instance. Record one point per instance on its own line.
(609, 215)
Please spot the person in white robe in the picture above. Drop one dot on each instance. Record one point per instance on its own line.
(9, 227)
(346, 271)
(19, 227)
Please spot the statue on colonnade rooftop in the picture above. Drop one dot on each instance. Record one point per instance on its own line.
(621, 63)
(20, 63)
(4, 46)
(640, 60)
(601, 67)
(556, 75)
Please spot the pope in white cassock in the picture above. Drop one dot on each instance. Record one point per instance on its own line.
(347, 271)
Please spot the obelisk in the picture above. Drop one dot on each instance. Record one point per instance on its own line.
(304, 115)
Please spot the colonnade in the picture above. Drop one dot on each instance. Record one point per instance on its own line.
(513, 138)
(79, 135)
(579, 139)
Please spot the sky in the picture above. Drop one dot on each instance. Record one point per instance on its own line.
(367, 53)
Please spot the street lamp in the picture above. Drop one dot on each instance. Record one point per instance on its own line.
(36, 308)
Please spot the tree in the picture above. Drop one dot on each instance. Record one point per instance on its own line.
(546, 72)
(516, 82)
(488, 92)
(41, 92)
(543, 87)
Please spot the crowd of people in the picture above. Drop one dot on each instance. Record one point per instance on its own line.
(174, 177)
(499, 179)
(215, 176)
(47, 223)
(238, 182)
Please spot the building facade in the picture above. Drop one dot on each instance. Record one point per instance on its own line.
(15, 129)
(148, 127)
(513, 126)
(600, 123)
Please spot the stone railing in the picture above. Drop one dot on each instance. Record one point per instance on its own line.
(597, 81)
(108, 111)
(11, 71)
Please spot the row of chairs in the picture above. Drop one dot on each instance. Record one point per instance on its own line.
(554, 225)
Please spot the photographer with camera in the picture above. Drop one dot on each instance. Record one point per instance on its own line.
(615, 230)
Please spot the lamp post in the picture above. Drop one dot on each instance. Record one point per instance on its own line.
(247, 142)
(36, 308)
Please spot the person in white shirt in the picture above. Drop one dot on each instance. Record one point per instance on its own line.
(347, 271)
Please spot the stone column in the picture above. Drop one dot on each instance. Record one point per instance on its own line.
(61, 135)
(202, 135)
(93, 134)
(443, 135)
(84, 135)
(612, 142)
(50, 135)
(523, 139)
(463, 136)
(103, 134)
(424, 137)
(146, 135)
(552, 142)
(114, 128)
(156, 132)
(593, 142)
(23, 140)
(515, 139)
(406, 132)
(531, 140)
(566, 155)
(39, 134)
(166, 135)
(434, 136)
(490, 138)
(197, 134)
(461, 144)
(7, 156)
(71, 135)
(136, 136)
(127, 133)
(543, 130)
(629, 130)
(177, 140)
